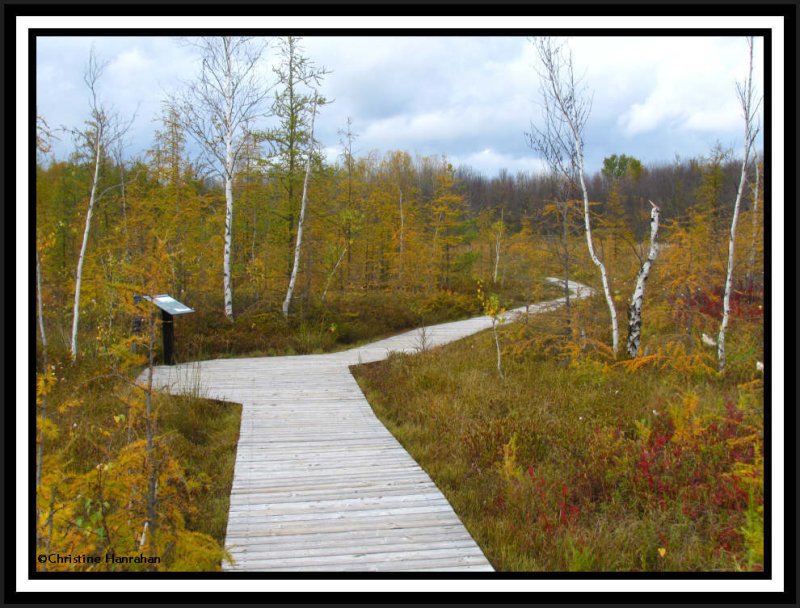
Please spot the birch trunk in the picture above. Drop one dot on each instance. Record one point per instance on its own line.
(597, 262)
(755, 225)
(561, 140)
(635, 309)
(726, 300)
(746, 98)
(303, 204)
(497, 347)
(217, 110)
(40, 447)
(229, 127)
(333, 272)
(40, 307)
(226, 263)
(497, 238)
(79, 273)
(567, 290)
(402, 227)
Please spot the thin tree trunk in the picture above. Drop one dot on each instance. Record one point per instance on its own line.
(564, 211)
(40, 306)
(745, 93)
(496, 256)
(497, 237)
(330, 276)
(50, 526)
(40, 447)
(597, 262)
(150, 458)
(304, 202)
(402, 226)
(497, 345)
(755, 226)
(124, 206)
(726, 301)
(637, 300)
(226, 264)
(76, 310)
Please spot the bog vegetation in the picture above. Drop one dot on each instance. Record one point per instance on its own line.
(558, 451)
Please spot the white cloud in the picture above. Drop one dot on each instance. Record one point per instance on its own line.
(490, 162)
(693, 89)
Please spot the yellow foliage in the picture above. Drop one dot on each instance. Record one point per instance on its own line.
(672, 356)
(67, 404)
(104, 510)
(509, 469)
(643, 430)
(631, 365)
(688, 423)
(47, 429)
(44, 384)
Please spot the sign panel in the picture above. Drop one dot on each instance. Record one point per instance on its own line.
(169, 304)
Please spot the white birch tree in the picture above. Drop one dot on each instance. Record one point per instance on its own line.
(566, 109)
(498, 229)
(754, 234)
(749, 107)
(637, 299)
(218, 109)
(103, 130)
(303, 204)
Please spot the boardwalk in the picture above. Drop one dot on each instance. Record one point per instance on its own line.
(319, 483)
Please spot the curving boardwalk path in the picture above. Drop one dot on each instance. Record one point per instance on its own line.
(319, 483)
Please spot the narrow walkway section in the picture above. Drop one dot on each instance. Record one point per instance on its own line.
(319, 483)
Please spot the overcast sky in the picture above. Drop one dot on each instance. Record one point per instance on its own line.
(469, 98)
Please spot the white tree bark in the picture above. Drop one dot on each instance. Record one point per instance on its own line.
(229, 167)
(332, 272)
(637, 300)
(402, 228)
(612, 311)
(745, 92)
(218, 110)
(39, 304)
(303, 204)
(76, 309)
(755, 221)
(497, 237)
(43, 335)
(105, 130)
(566, 111)
(495, 323)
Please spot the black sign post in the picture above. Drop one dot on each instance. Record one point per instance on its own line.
(170, 307)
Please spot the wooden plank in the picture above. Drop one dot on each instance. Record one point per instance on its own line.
(428, 562)
(266, 529)
(454, 547)
(455, 555)
(368, 537)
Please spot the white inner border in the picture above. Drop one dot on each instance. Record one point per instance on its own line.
(23, 265)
